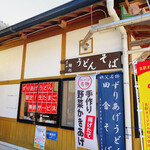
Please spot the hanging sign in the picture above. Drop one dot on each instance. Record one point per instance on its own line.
(39, 140)
(85, 112)
(92, 63)
(143, 73)
(110, 111)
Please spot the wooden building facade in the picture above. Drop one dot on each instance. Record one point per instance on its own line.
(34, 51)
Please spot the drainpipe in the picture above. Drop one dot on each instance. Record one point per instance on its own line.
(116, 24)
(148, 3)
(127, 107)
(139, 50)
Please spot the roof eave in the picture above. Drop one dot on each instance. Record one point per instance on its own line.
(53, 13)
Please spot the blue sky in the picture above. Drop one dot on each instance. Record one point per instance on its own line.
(14, 11)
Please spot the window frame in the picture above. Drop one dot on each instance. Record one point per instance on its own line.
(58, 103)
(61, 106)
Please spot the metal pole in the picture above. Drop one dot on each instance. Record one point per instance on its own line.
(138, 107)
(148, 3)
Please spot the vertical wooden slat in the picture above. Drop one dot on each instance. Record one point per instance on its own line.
(23, 60)
(59, 139)
(130, 78)
(63, 52)
(50, 144)
(73, 140)
(69, 141)
(64, 140)
(1, 127)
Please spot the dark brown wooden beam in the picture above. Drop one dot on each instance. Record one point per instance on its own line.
(71, 15)
(37, 27)
(133, 1)
(142, 35)
(140, 42)
(143, 5)
(103, 3)
(140, 28)
(63, 24)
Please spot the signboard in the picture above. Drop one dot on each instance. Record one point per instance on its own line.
(143, 73)
(92, 63)
(85, 112)
(110, 111)
(51, 135)
(47, 98)
(39, 140)
(30, 91)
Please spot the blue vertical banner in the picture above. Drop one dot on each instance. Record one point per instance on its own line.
(110, 111)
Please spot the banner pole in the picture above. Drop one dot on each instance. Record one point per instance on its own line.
(138, 106)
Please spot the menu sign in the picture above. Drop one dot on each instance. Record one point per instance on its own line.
(93, 63)
(46, 100)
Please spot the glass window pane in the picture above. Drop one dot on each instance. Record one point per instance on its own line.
(47, 102)
(68, 103)
(38, 102)
(28, 101)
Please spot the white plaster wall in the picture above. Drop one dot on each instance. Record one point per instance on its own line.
(103, 42)
(10, 63)
(9, 95)
(43, 58)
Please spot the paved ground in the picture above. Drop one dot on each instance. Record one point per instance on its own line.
(8, 146)
(3, 147)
